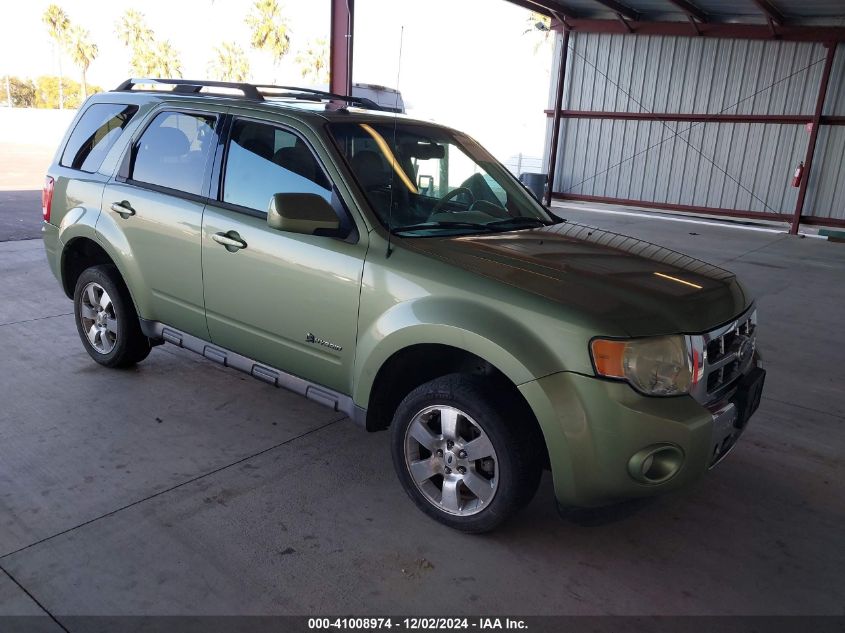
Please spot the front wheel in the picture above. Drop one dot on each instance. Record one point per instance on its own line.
(463, 455)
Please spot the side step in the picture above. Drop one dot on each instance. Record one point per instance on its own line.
(316, 393)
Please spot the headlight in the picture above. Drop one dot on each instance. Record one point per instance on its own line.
(658, 366)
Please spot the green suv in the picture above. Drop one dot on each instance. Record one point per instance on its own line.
(393, 270)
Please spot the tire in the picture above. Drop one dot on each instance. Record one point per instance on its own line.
(428, 456)
(106, 319)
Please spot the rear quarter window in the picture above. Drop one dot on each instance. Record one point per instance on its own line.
(98, 129)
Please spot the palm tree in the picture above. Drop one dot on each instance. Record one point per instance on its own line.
(165, 60)
(133, 31)
(229, 64)
(269, 29)
(313, 61)
(82, 51)
(57, 24)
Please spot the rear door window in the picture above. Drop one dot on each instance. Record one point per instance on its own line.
(263, 160)
(98, 129)
(173, 151)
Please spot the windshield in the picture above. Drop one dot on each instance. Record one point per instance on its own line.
(438, 181)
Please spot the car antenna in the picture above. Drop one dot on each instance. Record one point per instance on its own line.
(393, 153)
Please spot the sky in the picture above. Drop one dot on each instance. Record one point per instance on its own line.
(465, 63)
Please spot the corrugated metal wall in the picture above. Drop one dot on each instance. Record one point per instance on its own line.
(826, 189)
(733, 166)
(692, 74)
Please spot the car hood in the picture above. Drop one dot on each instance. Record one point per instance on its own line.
(641, 288)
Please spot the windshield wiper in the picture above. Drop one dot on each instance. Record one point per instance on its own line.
(507, 224)
(442, 225)
(518, 222)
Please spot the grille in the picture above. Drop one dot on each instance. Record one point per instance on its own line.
(726, 353)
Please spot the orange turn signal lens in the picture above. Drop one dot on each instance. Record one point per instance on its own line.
(608, 357)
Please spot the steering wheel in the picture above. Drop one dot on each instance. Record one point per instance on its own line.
(450, 195)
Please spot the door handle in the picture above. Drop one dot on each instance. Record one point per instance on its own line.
(124, 209)
(232, 241)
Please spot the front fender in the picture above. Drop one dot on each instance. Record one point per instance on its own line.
(491, 335)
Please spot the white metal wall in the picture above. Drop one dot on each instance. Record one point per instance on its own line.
(733, 166)
(826, 189)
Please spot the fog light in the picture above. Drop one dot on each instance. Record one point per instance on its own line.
(656, 464)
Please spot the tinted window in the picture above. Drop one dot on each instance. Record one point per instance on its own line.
(263, 160)
(173, 151)
(415, 174)
(98, 129)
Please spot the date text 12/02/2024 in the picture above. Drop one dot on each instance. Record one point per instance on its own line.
(427, 623)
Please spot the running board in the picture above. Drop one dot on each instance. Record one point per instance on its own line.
(316, 393)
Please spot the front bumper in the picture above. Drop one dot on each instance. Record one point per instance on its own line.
(595, 429)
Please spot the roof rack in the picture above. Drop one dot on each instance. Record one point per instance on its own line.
(254, 92)
(314, 95)
(191, 86)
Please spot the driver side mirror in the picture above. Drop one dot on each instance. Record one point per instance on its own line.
(305, 213)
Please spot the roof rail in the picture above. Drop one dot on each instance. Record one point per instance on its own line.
(313, 95)
(254, 92)
(192, 86)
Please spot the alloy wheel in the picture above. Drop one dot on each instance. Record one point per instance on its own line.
(99, 322)
(451, 460)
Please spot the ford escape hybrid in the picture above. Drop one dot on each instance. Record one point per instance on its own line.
(392, 270)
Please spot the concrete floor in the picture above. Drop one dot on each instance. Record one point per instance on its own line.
(20, 215)
(181, 487)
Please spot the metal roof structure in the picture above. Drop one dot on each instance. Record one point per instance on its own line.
(804, 20)
(774, 21)
(781, 22)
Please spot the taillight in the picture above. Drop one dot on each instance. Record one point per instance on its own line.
(47, 198)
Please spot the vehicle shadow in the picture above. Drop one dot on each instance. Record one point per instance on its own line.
(604, 515)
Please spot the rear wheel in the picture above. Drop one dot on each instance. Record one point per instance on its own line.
(106, 319)
(463, 455)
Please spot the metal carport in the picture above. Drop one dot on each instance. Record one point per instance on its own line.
(724, 108)
(705, 106)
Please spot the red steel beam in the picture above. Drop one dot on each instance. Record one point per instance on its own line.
(773, 28)
(562, 19)
(820, 221)
(787, 119)
(814, 134)
(713, 29)
(561, 76)
(784, 119)
(770, 11)
(340, 46)
(690, 9)
(694, 25)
